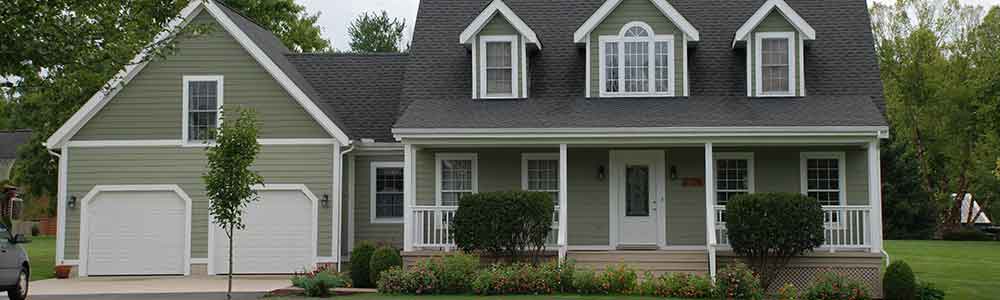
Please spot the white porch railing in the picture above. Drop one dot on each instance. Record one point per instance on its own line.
(432, 227)
(846, 226)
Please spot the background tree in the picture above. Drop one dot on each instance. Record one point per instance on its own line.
(288, 20)
(371, 33)
(229, 181)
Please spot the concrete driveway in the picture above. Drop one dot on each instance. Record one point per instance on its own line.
(156, 287)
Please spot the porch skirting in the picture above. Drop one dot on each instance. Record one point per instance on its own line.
(802, 271)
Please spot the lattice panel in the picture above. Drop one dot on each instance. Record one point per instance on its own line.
(804, 277)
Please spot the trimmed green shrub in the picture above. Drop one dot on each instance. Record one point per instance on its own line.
(361, 257)
(770, 228)
(503, 223)
(383, 258)
(788, 292)
(520, 279)
(454, 272)
(396, 281)
(619, 280)
(585, 281)
(966, 233)
(676, 285)
(927, 291)
(736, 281)
(899, 282)
(831, 286)
(697, 287)
(319, 282)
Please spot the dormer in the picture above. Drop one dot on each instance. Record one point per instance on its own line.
(636, 48)
(499, 41)
(774, 38)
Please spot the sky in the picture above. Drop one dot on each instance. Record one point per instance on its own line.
(336, 15)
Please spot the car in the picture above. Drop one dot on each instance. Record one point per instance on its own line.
(15, 270)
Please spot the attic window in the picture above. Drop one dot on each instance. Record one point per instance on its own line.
(499, 61)
(202, 105)
(776, 70)
(637, 63)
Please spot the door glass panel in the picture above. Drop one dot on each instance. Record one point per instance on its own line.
(637, 191)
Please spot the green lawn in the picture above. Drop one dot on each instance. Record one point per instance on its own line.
(42, 254)
(964, 270)
(464, 297)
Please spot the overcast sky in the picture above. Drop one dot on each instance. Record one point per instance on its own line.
(337, 14)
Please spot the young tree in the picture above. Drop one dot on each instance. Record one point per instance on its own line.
(371, 33)
(230, 180)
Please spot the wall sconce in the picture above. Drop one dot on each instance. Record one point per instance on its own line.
(326, 201)
(601, 173)
(71, 203)
(673, 172)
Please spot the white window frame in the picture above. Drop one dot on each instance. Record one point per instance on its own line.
(748, 156)
(841, 158)
(652, 39)
(439, 157)
(185, 119)
(525, 157)
(514, 65)
(759, 68)
(375, 165)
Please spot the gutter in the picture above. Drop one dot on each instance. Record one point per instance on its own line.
(340, 204)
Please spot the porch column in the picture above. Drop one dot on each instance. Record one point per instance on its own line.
(710, 207)
(563, 231)
(409, 194)
(875, 194)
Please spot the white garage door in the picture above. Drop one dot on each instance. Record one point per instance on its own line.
(279, 237)
(136, 233)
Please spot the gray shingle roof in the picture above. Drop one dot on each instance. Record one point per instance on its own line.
(10, 140)
(842, 76)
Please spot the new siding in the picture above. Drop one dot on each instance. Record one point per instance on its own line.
(287, 164)
(774, 22)
(500, 26)
(150, 106)
(629, 11)
(364, 230)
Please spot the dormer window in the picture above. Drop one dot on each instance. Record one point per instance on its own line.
(499, 73)
(776, 70)
(774, 38)
(499, 41)
(637, 63)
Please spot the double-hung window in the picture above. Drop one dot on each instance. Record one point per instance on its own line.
(498, 59)
(202, 106)
(823, 177)
(386, 192)
(540, 173)
(457, 175)
(775, 63)
(637, 63)
(733, 176)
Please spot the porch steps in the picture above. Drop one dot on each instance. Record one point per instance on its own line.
(654, 261)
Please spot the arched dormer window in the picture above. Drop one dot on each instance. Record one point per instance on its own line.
(637, 63)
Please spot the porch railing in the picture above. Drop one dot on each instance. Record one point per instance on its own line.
(845, 226)
(432, 227)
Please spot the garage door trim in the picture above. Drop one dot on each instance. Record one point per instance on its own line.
(97, 190)
(269, 187)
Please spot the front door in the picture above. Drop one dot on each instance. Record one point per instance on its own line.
(638, 184)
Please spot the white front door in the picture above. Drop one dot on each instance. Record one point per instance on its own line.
(637, 181)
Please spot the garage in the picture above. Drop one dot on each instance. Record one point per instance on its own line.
(279, 238)
(135, 230)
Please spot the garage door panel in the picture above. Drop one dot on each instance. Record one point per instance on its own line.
(279, 237)
(136, 233)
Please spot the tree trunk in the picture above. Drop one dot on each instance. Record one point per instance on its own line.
(229, 289)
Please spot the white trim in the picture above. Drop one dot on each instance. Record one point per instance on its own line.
(186, 104)
(271, 187)
(199, 261)
(563, 239)
(651, 41)
(438, 157)
(801, 77)
(525, 157)
(304, 141)
(750, 131)
(409, 194)
(351, 170)
(514, 65)
(758, 63)
(84, 226)
(375, 165)
(497, 6)
(337, 197)
(99, 99)
(475, 71)
(800, 24)
(687, 77)
(710, 239)
(589, 248)
(750, 63)
(155, 143)
(62, 195)
(748, 156)
(841, 158)
(587, 75)
(326, 259)
(875, 194)
(524, 67)
(609, 6)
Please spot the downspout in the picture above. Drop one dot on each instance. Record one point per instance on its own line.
(340, 204)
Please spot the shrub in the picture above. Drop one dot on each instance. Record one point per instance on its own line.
(899, 282)
(396, 281)
(454, 272)
(735, 281)
(361, 257)
(966, 233)
(835, 287)
(697, 287)
(319, 282)
(768, 241)
(520, 279)
(927, 291)
(620, 280)
(586, 282)
(788, 292)
(382, 259)
(503, 223)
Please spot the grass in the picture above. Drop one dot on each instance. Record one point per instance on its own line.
(464, 297)
(964, 270)
(42, 255)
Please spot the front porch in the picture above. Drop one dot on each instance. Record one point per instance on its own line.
(648, 204)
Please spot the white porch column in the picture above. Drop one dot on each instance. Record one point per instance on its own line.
(563, 231)
(875, 194)
(338, 180)
(409, 194)
(710, 207)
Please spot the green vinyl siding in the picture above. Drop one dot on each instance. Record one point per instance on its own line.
(777, 169)
(774, 22)
(150, 106)
(499, 26)
(364, 229)
(685, 204)
(630, 11)
(278, 164)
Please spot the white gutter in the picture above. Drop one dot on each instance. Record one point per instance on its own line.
(751, 131)
(340, 199)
